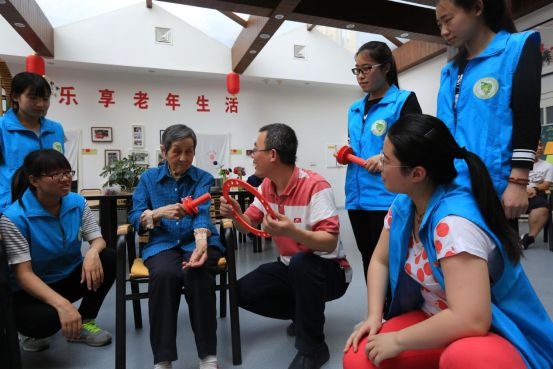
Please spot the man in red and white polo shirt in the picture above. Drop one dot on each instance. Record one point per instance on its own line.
(312, 268)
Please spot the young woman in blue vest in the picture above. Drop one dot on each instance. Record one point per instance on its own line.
(42, 231)
(368, 121)
(25, 128)
(490, 93)
(460, 298)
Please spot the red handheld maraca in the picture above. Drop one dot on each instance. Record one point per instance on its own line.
(345, 155)
(191, 206)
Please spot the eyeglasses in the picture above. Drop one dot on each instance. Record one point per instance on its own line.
(255, 150)
(365, 70)
(60, 176)
(381, 160)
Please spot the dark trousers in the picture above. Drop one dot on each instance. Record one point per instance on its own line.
(37, 319)
(298, 292)
(165, 286)
(367, 226)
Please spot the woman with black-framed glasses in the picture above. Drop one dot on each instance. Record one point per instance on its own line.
(43, 230)
(368, 121)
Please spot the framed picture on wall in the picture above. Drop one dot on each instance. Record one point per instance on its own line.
(110, 156)
(142, 156)
(161, 132)
(101, 134)
(138, 136)
(159, 157)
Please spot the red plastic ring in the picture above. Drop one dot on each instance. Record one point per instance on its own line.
(235, 210)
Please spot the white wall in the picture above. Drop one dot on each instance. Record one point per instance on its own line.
(126, 37)
(424, 80)
(317, 112)
(326, 60)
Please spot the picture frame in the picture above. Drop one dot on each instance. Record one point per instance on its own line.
(143, 156)
(101, 134)
(161, 132)
(110, 156)
(159, 157)
(138, 136)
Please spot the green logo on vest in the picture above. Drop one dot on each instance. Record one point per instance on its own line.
(379, 127)
(57, 146)
(486, 88)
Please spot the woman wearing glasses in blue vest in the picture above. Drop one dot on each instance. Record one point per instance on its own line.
(368, 121)
(42, 231)
(460, 298)
(490, 93)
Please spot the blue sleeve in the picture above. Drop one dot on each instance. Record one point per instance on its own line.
(140, 201)
(203, 219)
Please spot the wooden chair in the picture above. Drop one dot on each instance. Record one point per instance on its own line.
(10, 357)
(126, 255)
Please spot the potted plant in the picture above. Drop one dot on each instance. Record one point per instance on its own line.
(123, 174)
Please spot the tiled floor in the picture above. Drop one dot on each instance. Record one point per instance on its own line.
(264, 341)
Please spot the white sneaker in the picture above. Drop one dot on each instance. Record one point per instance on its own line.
(209, 362)
(31, 344)
(163, 365)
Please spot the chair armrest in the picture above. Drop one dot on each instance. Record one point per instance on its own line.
(227, 223)
(123, 229)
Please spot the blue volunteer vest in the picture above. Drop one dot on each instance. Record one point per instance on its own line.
(517, 313)
(17, 141)
(364, 190)
(55, 243)
(483, 122)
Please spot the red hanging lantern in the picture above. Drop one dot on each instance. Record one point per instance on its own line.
(35, 64)
(233, 83)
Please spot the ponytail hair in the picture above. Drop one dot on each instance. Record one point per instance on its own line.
(423, 140)
(381, 53)
(36, 164)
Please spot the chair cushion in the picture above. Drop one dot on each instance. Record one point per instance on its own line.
(138, 269)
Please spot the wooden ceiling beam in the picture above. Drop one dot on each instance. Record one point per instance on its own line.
(27, 19)
(264, 8)
(235, 18)
(416, 52)
(251, 40)
(393, 40)
(375, 16)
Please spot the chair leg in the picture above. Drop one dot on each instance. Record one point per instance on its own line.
(234, 324)
(223, 295)
(120, 313)
(137, 310)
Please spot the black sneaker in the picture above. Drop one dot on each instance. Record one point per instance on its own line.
(315, 361)
(526, 240)
(291, 330)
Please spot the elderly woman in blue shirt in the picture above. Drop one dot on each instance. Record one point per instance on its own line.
(180, 250)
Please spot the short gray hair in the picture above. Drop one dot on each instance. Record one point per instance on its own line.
(283, 139)
(177, 132)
